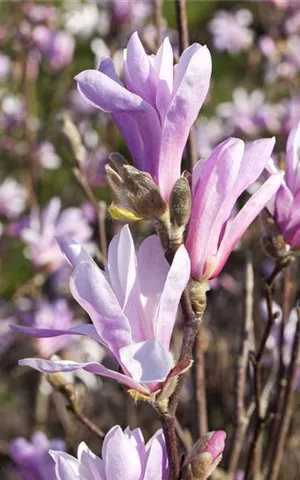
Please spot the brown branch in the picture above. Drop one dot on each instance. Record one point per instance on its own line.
(198, 373)
(242, 417)
(169, 429)
(287, 411)
(191, 326)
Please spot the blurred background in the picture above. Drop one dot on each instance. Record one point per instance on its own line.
(254, 93)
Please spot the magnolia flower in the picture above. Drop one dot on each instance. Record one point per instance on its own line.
(217, 183)
(12, 198)
(124, 457)
(236, 38)
(41, 228)
(158, 105)
(133, 308)
(32, 457)
(287, 202)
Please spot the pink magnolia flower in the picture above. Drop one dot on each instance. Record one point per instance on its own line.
(124, 457)
(133, 308)
(217, 183)
(287, 201)
(32, 458)
(158, 105)
(41, 228)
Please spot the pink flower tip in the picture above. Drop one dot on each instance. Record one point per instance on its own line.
(216, 443)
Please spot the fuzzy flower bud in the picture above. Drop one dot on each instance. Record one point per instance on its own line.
(135, 192)
(206, 454)
(73, 138)
(180, 209)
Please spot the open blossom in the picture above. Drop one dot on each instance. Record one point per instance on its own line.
(124, 457)
(285, 209)
(230, 30)
(157, 106)
(41, 227)
(12, 198)
(32, 458)
(133, 308)
(217, 183)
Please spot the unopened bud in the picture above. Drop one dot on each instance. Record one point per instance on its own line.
(180, 211)
(206, 454)
(60, 384)
(197, 292)
(272, 241)
(72, 136)
(135, 192)
(180, 203)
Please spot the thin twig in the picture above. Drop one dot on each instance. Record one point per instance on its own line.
(287, 411)
(242, 417)
(198, 373)
(183, 37)
(191, 326)
(256, 362)
(68, 391)
(158, 22)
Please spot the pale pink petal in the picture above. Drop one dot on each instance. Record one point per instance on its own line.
(153, 269)
(164, 70)
(293, 159)
(176, 282)
(90, 288)
(138, 72)
(48, 366)
(84, 329)
(157, 459)
(74, 252)
(147, 362)
(66, 466)
(90, 463)
(236, 228)
(122, 270)
(121, 458)
(192, 79)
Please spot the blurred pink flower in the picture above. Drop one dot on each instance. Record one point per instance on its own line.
(158, 105)
(124, 457)
(42, 226)
(32, 458)
(133, 307)
(217, 183)
(57, 46)
(12, 198)
(235, 38)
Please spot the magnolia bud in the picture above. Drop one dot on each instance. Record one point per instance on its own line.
(135, 193)
(272, 241)
(72, 135)
(180, 203)
(206, 454)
